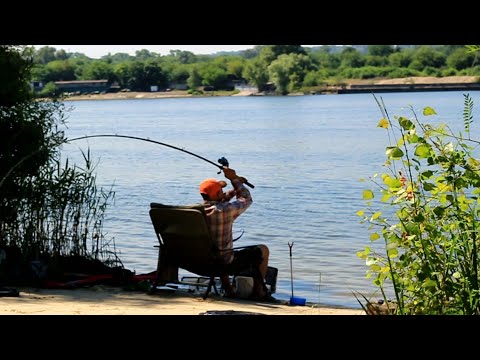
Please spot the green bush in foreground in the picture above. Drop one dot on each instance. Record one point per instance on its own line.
(49, 210)
(425, 207)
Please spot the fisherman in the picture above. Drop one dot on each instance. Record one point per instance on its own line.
(221, 213)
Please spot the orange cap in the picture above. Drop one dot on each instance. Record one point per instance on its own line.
(211, 187)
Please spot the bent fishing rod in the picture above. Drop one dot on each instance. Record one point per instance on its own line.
(223, 161)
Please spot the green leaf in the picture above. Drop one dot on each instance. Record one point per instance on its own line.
(413, 139)
(419, 218)
(403, 214)
(474, 163)
(426, 174)
(392, 245)
(360, 213)
(405, 123)
(375, 267)
(428, 186)
(394, 152)
(429, 283)
(422, 151)
(374, 236)
(368, 194)
(393, 253)
(412, 228)
(429, 111)
(392, 183)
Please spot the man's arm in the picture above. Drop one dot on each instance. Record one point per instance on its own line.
(239, 190)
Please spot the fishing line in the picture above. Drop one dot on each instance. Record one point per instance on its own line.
(222, 160)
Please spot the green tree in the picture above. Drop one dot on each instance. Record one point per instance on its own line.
(350, 57)
(180, 73)
(153, 74)
(270, 52)
(137, 80)
(49, 90)
(16, 65)
(144, 54)
(59, 70)
(235, 66)
(461, 59)
(26, 138)
(183, 57)
(401, 59)
(98, 70)
(139, 76)
(117, 58)
(123, 73)
(61, 55)
(288, 71)
(312, 79)
(213, 75)
(194, 80)
(426, 56)
(251, 53)
(326, 60)
(256, 73)
(45, 54)
(380, 50)
(375, 60)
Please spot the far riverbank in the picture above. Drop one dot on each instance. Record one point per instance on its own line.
(350, 86)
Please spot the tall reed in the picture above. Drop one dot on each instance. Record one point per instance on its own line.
(49, 210)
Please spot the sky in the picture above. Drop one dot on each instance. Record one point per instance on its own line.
(97, 51)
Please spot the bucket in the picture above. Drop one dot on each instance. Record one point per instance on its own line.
(295, 300)
(244, 285)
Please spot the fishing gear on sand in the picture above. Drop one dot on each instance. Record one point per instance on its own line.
(294, 300)
(223, 161)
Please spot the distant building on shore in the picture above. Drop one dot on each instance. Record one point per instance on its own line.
(83, 86)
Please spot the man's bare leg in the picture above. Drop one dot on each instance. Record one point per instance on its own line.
(227, 286)
(259, 286)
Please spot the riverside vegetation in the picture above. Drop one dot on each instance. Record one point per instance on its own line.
(49, 210)
(282, 69)
(429, 217)
(427, 213)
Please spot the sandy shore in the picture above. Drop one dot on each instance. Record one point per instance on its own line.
(106, 300)
(134, 95)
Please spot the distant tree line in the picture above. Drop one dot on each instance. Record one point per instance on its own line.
(289, 68)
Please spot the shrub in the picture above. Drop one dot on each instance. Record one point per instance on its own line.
(425, 206)
(48, 210)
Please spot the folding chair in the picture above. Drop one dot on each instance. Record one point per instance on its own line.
(185, 242)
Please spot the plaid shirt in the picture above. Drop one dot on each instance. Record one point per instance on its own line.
(222, 214)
